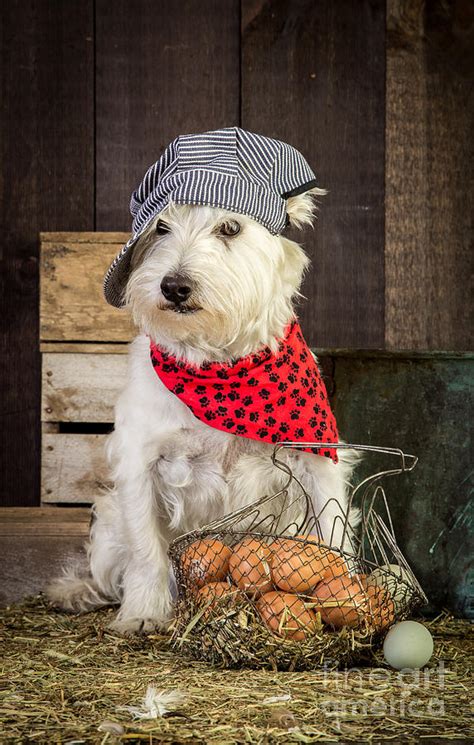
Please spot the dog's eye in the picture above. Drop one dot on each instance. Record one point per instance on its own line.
(161, 228)
(229, 227)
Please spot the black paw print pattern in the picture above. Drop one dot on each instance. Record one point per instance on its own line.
(245, 398)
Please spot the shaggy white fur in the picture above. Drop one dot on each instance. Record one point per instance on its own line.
(173, 473)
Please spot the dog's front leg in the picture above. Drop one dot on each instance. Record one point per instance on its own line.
(146, 598)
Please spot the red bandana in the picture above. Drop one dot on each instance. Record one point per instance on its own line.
(264, 396)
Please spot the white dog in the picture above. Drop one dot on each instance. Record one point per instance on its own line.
(172, 472)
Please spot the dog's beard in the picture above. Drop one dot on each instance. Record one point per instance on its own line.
(194, 327)
(211, 326)
(181, 309)
(212, 332)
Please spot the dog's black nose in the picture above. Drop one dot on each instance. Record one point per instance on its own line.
(176, 288)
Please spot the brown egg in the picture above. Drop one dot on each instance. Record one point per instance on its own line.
(285, 542)
(335, 565)
(206, 561)
(249, 566)
(286, 615)
(381, 608)
(215, 591)
(298, 567)
(342, 601)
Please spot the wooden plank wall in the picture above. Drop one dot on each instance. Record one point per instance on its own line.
(429, 174)
(172, 69)
(47, 162)
(326, 63)
(93, 92)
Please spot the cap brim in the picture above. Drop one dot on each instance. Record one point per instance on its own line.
(116, 278)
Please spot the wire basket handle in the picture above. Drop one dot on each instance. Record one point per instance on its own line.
(408, 462)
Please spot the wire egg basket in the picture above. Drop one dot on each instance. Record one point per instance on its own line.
(265, 587)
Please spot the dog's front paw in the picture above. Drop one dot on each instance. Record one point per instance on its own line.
(132, 626)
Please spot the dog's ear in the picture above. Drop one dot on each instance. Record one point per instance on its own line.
(295, 264)
(301, 208)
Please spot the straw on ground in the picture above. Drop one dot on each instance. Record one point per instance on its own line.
(65, 676)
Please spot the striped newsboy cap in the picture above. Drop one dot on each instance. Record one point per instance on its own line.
(230, 168)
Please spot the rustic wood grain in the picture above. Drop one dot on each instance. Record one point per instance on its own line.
(313, 75)
(73, 468)
(81, 387)
(163, 69)
(72, 305)
(47, 183)
(35, 543)
(58, 347)
(49, 521)
(85, 236)
(29, 562)
(429, 174)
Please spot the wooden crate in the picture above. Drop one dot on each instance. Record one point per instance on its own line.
(83, 342)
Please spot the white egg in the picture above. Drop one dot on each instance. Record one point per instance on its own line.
(408, 644)
(399, 586)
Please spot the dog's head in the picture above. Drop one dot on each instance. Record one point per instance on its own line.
(206, 282)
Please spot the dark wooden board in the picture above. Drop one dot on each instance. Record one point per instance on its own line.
(313, 74)
(163, 69)
(430, 108)
(47, 184)
(35, 543)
